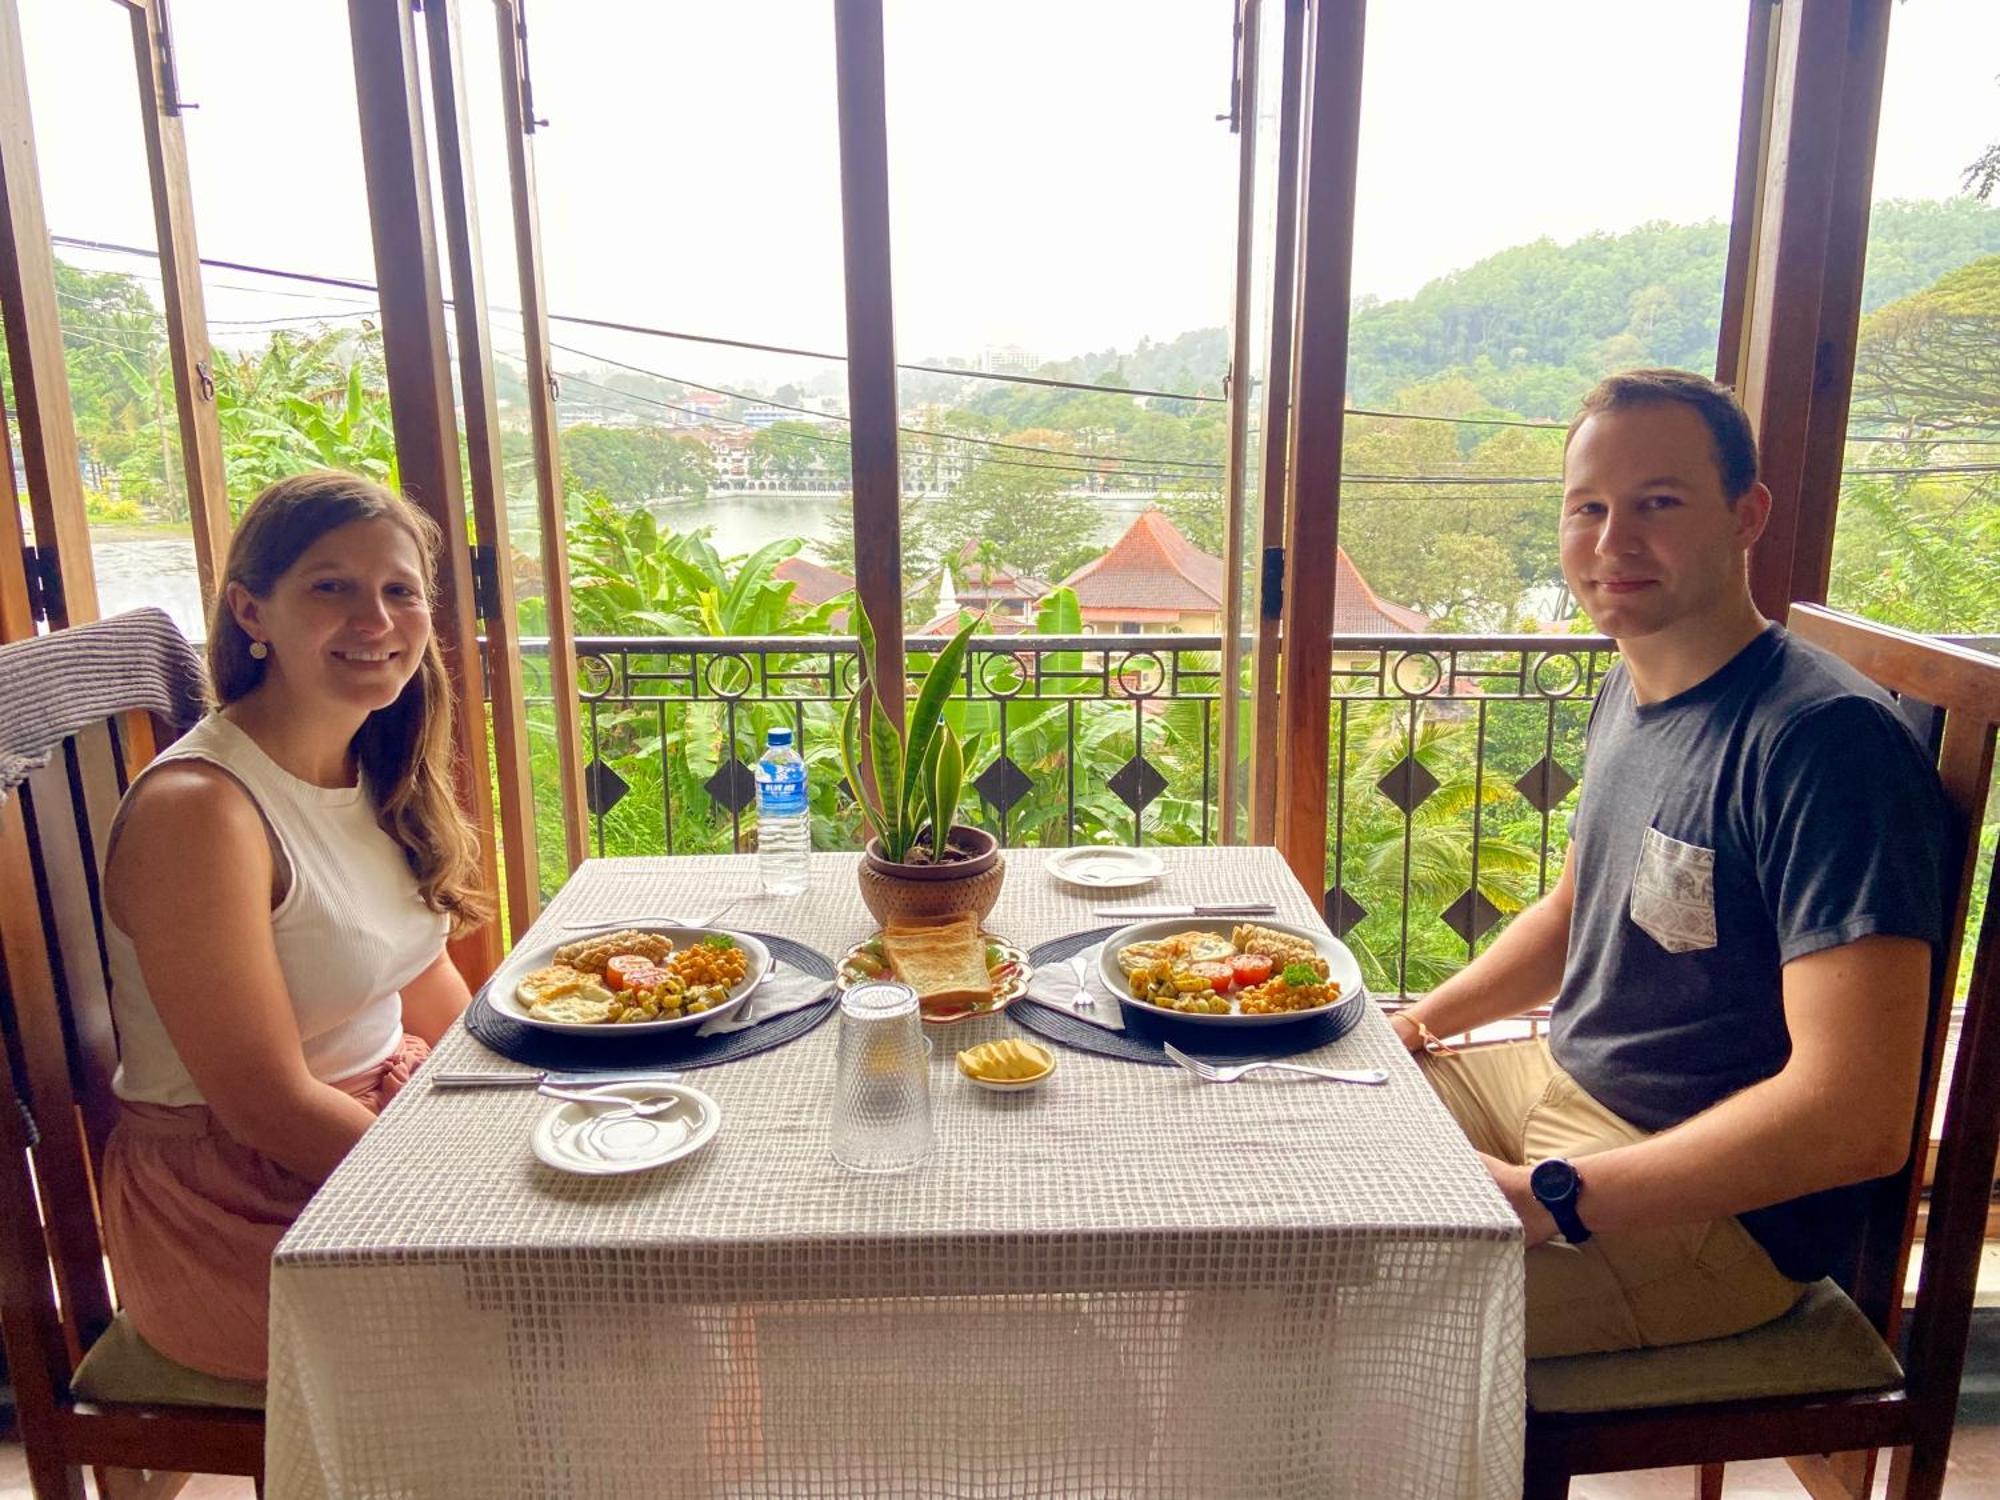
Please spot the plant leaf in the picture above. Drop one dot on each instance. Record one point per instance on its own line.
(850, 765)
(938, 683)
(947, 779)
(887, 746)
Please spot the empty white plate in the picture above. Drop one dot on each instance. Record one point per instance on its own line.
(1101, 868)
(598, 1140)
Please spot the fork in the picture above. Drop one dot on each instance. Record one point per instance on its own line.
(1212, 1073)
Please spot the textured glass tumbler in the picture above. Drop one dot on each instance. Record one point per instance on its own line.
(882, 1081)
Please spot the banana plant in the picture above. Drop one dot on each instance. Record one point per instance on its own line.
(914, 768)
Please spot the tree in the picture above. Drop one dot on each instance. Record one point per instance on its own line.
(793, 451)
(1034, 522)
(631, 465)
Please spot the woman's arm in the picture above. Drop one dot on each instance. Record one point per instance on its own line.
(189, 881)
(433, 1000)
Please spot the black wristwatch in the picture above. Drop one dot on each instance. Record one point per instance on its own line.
(1555, 1185)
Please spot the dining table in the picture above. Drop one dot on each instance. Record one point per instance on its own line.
(1123, 1282)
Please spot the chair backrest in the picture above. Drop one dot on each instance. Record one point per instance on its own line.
(81, 712)
(1951, 694)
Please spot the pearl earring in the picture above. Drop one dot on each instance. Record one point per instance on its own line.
(259, 650)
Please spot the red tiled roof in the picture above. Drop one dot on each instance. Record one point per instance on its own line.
(973, 582)
(1153, 572)
(1357, 610)
(1152, 566)
(814, 583)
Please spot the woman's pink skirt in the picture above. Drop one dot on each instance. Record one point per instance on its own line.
(191, 1216)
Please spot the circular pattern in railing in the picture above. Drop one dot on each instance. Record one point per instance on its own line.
(997, 669)
(1414, 687)
(846, 674)
(1138, 674)
(1570, 681)
(728, 674)
(595, 676)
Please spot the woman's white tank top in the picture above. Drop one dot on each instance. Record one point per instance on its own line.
(351, 930)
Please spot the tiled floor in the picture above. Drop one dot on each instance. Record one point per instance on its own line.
(1975, 1475)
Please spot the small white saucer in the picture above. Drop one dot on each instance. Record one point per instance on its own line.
(1100, 867)
(593, 1140)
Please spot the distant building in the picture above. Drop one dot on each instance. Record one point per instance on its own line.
(1155, 579)
(1010, 360)
(761, 416)
(998, 593)
(702, 406)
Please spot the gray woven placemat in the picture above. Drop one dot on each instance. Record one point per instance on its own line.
(568, 1053)
(1145, 1037)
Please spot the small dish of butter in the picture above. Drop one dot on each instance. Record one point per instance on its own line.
(1008, 1065)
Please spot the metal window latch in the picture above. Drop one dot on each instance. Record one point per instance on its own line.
(44, 578)
(485, 582)
(1273, 592)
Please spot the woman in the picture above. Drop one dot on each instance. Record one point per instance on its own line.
(279, 888)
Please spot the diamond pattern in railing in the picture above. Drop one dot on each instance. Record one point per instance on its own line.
(1137, 783)
(733, 786)
(1003, 784)
(602, 788)
(1544, 784)
(1408, 783)
(1343, 912)
(1471, 916)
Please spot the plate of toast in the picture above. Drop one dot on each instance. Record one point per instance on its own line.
(957, 970)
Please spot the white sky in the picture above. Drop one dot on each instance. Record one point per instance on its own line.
(1058, 178)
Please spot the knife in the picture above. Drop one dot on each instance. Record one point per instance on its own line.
(1207, 909)
(536, 1080)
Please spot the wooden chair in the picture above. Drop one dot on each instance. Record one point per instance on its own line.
(89, 1392)
(1821, 1386)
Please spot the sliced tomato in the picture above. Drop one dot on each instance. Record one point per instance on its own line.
(619, 970)
(1251, 968)
(1220, 976)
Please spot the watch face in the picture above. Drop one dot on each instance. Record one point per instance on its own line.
(1553, 1181)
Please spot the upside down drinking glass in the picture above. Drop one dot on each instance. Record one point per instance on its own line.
(882, 1087)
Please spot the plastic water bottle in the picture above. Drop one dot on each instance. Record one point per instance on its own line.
(784, 826)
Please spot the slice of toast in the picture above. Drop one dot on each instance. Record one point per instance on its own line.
(945, 963)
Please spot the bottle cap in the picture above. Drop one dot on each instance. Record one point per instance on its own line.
(777, 739)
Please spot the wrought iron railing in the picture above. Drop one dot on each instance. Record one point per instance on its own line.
(1455, 757)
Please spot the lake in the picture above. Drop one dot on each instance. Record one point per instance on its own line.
(137, 567)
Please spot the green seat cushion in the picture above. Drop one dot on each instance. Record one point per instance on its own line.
(123, 1368)
(1823, 1344)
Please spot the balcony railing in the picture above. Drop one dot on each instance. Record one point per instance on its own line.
(1456, 756)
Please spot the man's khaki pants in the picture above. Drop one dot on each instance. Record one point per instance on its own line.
(1615, 1291)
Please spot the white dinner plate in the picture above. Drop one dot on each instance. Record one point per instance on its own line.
(1342, 967)
(1099, 867)
(598, 1140)
(500, 992)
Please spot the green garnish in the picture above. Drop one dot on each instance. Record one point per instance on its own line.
(1300, 976)
(993, 955)
(719, 940)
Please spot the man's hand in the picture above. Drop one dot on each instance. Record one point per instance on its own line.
(1513, 1181)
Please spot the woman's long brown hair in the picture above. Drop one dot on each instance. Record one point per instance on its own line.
(405, 750)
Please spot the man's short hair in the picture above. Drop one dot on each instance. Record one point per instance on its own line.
(1728, 424)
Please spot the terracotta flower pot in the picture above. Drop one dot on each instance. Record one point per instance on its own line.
(930, 893)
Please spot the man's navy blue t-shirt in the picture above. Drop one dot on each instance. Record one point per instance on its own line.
(1778, 808)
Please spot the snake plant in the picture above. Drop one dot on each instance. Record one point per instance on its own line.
(914, 769)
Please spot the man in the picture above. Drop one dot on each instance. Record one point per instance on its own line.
(1743, 934)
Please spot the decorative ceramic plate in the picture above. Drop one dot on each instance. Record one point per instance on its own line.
(602, 1139)
(1006, 965)
(1100, 868)
(1343, 970)
(500, 990)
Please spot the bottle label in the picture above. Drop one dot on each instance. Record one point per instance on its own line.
(781, 791)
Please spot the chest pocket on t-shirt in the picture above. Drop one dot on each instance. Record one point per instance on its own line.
(1673, 893)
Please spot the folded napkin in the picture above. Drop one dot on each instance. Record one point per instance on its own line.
(1076, 987)
(785, 988)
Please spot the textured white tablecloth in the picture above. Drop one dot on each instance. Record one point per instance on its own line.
(1125, 1283)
